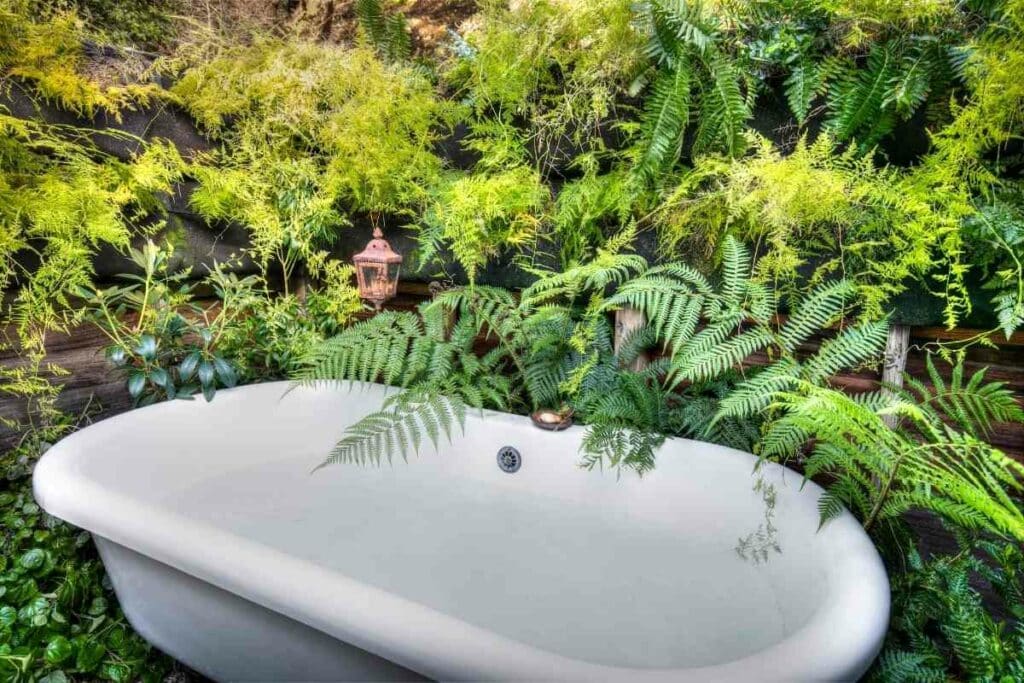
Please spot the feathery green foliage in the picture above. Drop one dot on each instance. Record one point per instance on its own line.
(476, 215)
(310, 135)
(366, 128)
(61, 200)
(558, 66)
(941, 628)
(878, 228)
(142, 23)
(925, 463)
(48, 53)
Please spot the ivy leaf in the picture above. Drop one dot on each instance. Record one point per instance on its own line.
(58, 650)
(90, 654)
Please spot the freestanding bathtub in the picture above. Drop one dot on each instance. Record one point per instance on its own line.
(227, 553)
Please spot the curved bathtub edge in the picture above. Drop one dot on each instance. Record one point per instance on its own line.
(413, 635)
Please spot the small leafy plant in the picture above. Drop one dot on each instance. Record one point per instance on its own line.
(164, 344)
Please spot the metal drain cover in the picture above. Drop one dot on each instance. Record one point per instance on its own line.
(509, 459)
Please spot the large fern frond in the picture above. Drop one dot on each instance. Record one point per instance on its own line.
(397, 427)
(974, 406)
(664, 120)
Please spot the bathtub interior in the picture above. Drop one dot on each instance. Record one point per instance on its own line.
(612, 570)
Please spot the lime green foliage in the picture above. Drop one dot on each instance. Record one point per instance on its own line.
(367, 128)
(831, 214)
(941, 629)
(560, 65)
(310, 135)
(993, 115)
(60, 201)
(49, 55)
(477, 214)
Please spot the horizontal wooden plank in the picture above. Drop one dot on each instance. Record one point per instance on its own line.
(93, 382)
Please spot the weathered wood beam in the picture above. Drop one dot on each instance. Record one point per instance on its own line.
(895, 362)
(628, 321)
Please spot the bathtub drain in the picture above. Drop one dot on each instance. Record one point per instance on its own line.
(509, 459)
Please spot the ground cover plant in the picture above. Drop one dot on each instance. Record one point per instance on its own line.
(802, 166)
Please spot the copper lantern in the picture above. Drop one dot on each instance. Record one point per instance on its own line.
(377, 270)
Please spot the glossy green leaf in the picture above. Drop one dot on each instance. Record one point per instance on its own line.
(136, 383)
(146, 347)
(225, 372)
(58, 650)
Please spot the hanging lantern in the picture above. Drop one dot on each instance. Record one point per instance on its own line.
(377, 270)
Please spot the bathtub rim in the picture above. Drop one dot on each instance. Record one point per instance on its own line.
(422, 638)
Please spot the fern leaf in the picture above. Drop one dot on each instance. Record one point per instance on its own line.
(802, 86)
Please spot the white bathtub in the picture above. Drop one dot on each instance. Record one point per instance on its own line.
(227, 553)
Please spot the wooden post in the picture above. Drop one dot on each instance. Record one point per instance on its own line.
(895, 361)
(627, 321)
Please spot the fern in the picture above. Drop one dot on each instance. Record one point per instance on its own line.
(739, 321)
(382, 348)
(388, 33)
(803, 86)
(665, 117)
(857, 99)
(724, 110)
(397, 428)
(974, 406)
(942, 629)
(881, 473)
(683, 45)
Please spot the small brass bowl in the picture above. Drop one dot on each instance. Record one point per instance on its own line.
(553, 420)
